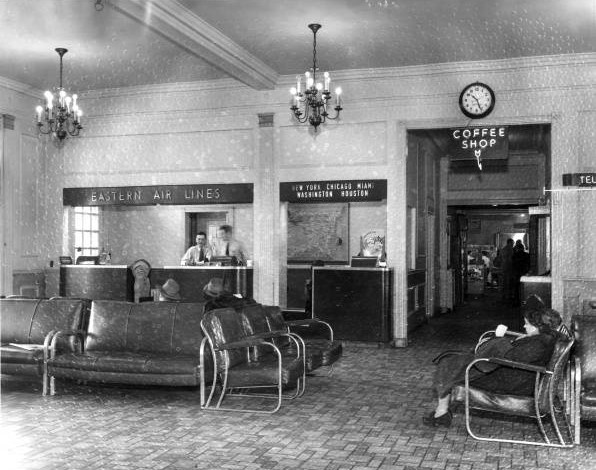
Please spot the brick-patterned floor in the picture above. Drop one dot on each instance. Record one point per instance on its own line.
(366, 416)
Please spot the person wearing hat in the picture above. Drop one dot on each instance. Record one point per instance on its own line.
(217, 296)
(142, 287)
(169, 292)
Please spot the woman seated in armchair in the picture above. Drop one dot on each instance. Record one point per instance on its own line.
(534, 347)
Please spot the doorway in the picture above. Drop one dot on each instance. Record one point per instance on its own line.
(456, 207)
(207, 222)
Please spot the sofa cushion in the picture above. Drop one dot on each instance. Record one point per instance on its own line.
(126, 362)
(153, 327)
(265, 372)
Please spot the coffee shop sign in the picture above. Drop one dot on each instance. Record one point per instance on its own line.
(479, 143)
(479, 138)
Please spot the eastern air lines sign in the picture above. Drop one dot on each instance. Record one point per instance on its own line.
(333, 191)
(154, 195)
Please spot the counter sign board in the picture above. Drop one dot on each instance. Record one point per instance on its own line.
(579, 179)
(333, 191)
(154, 195)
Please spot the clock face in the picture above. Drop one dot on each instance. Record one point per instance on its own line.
(477, 100)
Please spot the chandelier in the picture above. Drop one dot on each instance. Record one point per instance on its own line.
(312, 104)
(62, 117)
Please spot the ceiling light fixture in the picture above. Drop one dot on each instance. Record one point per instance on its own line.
(311, 105)
(63, 117)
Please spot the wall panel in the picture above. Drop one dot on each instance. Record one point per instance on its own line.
(161, 153)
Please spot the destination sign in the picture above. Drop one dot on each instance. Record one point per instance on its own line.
(333, 191)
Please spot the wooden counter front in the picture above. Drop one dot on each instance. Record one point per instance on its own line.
(192, 279)
(356, 302)
(116, 282)
(97, 282)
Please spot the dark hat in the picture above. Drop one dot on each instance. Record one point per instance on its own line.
(140, 263)
(214, 288)
(170, 290)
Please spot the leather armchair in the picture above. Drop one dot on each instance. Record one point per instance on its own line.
(545, 401)
(246, 362)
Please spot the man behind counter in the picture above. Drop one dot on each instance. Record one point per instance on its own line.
(198, 254)
(226, 245)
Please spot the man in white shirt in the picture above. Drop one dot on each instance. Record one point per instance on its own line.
(198, 254)
(227, 246)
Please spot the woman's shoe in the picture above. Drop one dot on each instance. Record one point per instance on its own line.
(443, 420)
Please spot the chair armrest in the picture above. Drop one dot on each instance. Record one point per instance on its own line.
(61, 334)
(244, 343)
(487, 335)
(511, 364)
(310, 322)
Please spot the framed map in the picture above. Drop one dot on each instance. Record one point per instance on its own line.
(318, 232)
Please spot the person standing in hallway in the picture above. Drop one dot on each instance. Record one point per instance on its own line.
(506, 255)
(198, 254)
(226, 245)
(520, 262)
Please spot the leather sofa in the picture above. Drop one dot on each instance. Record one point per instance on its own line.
(26, 324)
(151, 343)
(584, 355)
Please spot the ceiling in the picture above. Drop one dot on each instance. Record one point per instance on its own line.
(140, 42)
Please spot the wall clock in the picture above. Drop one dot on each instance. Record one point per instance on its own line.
(477, 100)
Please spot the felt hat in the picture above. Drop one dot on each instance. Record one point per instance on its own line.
(214, 288)
(170, 290)
(141, 263)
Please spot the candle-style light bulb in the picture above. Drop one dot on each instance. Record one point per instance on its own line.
(338, 96)
(62, 96)
(68, 100)
(39, 110)
(327, 80)
(297, 83)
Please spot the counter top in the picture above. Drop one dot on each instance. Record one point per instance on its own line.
(124, 266)
(545, 279)
(349, 268)
(101, 266)
(204, 266)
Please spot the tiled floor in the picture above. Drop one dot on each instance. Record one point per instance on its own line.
(366, 416)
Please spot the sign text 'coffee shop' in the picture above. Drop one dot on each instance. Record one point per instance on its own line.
(164, 194)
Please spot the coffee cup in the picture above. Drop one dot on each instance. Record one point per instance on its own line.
(500, 331)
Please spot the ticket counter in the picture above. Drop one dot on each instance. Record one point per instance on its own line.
(116, 282)
(356, 302)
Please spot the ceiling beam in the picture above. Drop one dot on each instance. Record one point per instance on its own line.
(185, 29)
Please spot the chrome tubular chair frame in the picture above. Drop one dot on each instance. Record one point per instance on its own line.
(301, 350)
(551, 396)
(50, 353)
(220, 372)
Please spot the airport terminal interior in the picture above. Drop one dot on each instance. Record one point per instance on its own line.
(239, 234)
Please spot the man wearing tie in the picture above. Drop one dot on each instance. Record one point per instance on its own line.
(198, 254)
(227, 246)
